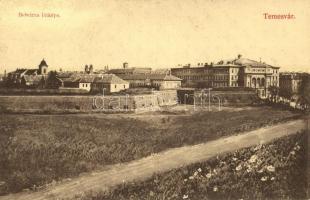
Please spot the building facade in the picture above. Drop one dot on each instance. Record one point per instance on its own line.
(239, 72)
(290, 83)
(156, 81)
(96, 83)
(28, 77)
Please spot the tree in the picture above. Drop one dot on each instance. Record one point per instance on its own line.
(305, 89)
(274, 92)
(52, 81)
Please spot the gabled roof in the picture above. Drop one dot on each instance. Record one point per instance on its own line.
(26, 71)
(87, 79)
(91, 78)
(31, 71)
(64, 74)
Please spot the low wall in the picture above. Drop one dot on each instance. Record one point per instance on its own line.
(60, 91)
(121, 103)
(226, 97)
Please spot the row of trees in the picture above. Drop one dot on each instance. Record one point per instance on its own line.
(51, 81)
(303, 93)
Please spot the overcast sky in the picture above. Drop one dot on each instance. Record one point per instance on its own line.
(162, 33)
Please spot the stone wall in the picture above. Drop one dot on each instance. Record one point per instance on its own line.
(124, 103)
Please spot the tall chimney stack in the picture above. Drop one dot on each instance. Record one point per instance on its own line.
(125, 65)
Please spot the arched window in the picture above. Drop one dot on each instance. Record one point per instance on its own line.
(254, 82)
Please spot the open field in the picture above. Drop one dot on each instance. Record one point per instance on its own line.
(40, 149)
(276, 170)
(105, 179)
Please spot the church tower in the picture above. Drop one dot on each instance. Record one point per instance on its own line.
(43, 68)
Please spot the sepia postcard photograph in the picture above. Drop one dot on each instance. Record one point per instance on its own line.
(154, 100)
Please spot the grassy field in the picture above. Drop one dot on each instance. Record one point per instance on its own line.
(272, 171)
(39, 149)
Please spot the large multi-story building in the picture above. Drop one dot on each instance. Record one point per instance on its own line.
(290, 83)
(130, 70)
(239, 72)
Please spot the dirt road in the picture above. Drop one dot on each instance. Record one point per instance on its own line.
(146, 167)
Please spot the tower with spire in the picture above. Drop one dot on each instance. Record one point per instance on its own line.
(43, 68)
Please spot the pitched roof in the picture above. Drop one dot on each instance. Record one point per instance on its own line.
(31, 71)
(91, 78)
(64, 74)
(18, 71)
(43, 63)
(110, 78)
(166, 77)
(138, 70)
(242, 62)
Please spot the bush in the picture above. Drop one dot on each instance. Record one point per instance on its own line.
(273, 171)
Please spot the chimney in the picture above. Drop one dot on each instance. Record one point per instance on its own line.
(125, 65)
(90, 71)
(86, 68)
(239, 56)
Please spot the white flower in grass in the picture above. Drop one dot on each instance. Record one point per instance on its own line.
(264, 178)
(199, 169)
(234, 158)
(208, 175)
(253, 159)
(272, 178)
(195, 173)
(248, 170)
(258, 147)
(215, 189)
(238, 168)
(214, 171)
(191, 177)
(296, 148)
(260, 171)
(292, 152)
(271, 168)
(185, 196)
(185, 180)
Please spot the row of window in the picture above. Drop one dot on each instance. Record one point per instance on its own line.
(217, 77)
(97, 86)
(234, 77)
